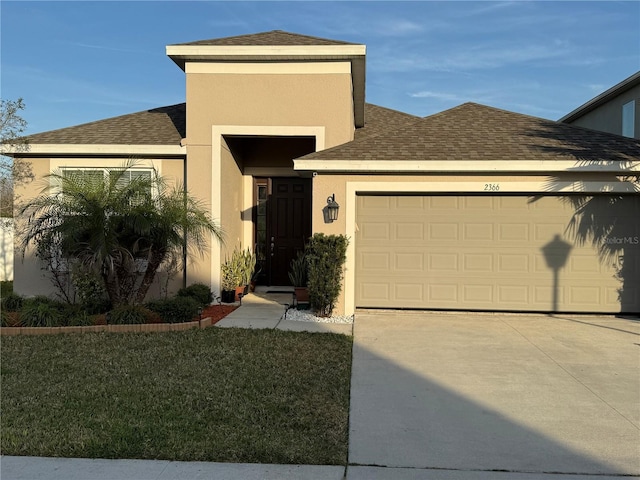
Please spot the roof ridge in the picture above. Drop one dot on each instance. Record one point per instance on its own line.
(262, 38)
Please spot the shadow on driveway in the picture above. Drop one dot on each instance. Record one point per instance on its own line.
(486, 392)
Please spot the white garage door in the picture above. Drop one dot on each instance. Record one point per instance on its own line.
(494, 253)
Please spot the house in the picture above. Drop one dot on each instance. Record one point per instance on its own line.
(616, 110)
(471, 208)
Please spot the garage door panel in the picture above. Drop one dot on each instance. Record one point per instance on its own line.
(444, 262)
(493, 252)
(478, 232)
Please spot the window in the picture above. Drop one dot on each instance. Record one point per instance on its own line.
(127, 177)
(628, 119)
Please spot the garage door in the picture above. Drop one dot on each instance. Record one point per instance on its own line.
(493, 253)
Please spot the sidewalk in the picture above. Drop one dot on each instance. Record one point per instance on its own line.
(267, 310)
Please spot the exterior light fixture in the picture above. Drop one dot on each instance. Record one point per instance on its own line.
(332, 208)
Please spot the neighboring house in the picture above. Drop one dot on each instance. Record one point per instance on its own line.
(465, 209)
(616, 110)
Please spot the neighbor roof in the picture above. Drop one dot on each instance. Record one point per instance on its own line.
(480, 133)
(274, 37)
(604, 97)
(159, 126)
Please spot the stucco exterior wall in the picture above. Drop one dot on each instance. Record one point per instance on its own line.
(29, 278)
(232, 193)
(311, 100)
(608, 117)
(285, 99)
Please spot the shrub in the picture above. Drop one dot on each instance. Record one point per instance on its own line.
(127, 315)
(90, 291)
(75, 316)
(38, 313)
(199, 292)
(12, 302)
(175, 310)
(5, 321)
(326, 255)
(6, 288)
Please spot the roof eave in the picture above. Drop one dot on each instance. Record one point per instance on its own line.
(41, 149)
(465, 166)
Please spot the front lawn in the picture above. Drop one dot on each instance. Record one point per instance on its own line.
(225, 395)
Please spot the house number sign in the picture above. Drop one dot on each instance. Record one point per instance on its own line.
(491, 187)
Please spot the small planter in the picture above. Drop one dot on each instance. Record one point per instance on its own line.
(228, 296)
(302, 294)
(240, 291)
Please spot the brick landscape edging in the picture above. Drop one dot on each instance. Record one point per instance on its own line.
(143, 328)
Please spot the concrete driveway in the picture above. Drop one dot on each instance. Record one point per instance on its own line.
(449, 393)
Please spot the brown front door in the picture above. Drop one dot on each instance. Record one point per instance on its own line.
(283, 225)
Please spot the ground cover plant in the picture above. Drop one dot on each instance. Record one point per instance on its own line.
(229, 395)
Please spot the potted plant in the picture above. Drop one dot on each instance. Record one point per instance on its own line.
(236, 274)
(247, 264)
(231, 278)
(298, 274)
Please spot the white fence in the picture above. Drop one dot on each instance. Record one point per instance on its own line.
(6, 249)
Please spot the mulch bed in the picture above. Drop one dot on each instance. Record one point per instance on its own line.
(217, 312)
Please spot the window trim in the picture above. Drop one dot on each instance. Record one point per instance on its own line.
(629, 119)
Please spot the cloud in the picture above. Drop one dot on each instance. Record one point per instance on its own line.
(448, 97)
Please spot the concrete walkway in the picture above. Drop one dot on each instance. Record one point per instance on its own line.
(447, 397)
(263, 309)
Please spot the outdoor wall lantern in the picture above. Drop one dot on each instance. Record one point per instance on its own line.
(332, 208)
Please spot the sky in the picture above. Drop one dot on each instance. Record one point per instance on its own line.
(76, 62)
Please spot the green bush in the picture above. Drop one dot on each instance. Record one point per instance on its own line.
(90, 291)
(5, 321)
(75, 316)
(41, 314)
(6, 288)
(326, 255)
(199, 292)
(12, 302)
(175, 310)
(128, 315)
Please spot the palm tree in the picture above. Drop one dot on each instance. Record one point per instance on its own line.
(173, 224)
(114, 223)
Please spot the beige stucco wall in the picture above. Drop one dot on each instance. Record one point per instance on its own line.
(608, 117)
(269, 100)
(29, 278)
(232, 194)
(345, 188)
(288, 100)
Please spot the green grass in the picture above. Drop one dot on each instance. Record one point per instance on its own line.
(226, 395)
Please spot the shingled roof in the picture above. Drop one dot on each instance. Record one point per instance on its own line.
(480, 133)
(272, 38)
(166, 126)
(380, 119)
(159, 126)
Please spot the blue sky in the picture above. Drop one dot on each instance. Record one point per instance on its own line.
(75, 62)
